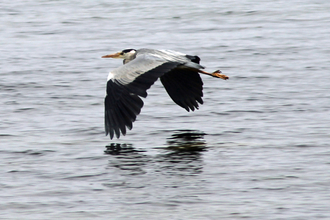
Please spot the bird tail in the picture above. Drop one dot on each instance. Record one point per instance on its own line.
(194, 65)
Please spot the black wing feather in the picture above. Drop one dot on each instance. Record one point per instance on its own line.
(123, 104)
(121, 109)
(184, 86)
(194, 59)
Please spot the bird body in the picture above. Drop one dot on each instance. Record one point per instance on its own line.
(178, 73)
(146, 59)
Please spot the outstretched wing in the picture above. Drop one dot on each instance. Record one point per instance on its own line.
(125, 85)
(184, 86)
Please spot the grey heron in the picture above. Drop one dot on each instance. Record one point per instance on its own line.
(178, 72)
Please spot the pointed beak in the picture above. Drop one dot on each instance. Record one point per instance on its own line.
(115, 55)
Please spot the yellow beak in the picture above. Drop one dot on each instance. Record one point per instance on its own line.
(115, 55)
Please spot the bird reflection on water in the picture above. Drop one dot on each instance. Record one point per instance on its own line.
(119, 148)
(187, 140)
(180, 141)
(127, 158)
(181, 155)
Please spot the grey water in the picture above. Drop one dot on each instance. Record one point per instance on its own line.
(258, 148)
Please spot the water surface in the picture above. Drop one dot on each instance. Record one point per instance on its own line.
(257, 149)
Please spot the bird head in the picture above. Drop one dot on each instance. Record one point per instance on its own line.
(127, 54)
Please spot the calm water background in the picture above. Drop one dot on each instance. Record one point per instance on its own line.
(257, 149)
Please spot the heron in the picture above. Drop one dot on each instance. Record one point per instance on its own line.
(178, 72)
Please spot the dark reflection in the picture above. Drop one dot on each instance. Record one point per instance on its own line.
(182, 156)
(117, 148)
(127, 158)
(187, 140)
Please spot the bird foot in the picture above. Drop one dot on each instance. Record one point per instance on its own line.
(218, 74)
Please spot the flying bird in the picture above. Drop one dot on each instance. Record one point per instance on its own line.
(178, 72)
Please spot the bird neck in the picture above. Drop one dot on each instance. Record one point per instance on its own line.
(126, 61)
